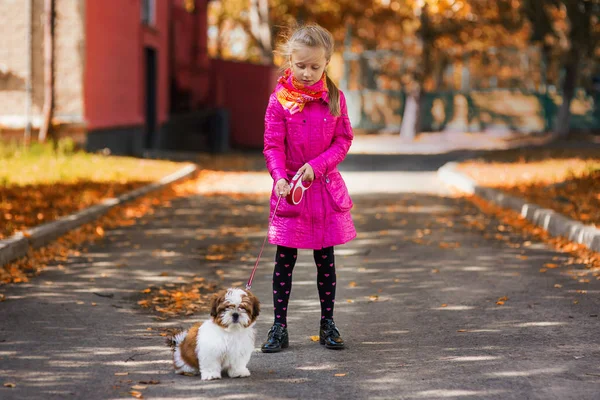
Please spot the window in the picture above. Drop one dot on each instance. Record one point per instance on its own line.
(148, 12)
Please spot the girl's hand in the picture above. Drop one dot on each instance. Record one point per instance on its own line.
(282, 188)
(309, 174)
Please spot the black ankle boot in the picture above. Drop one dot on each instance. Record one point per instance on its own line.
(330, 335)
(278, 339)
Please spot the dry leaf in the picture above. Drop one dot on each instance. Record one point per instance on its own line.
(373, 298)
(352, 284)
(349, 301)
(339, 375)
(315, 338)
(10, 385)
(99, 231)
(139, 387)
(522, 257)
(444, 305)
(558, 285)
(551, 265)
(121, 373)
(2, 297)
(136, 394)
(461, 330)
(543, 270)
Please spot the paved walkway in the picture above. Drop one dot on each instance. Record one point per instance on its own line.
(417, 293)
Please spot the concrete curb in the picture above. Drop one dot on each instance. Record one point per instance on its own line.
(18, 245)
(555, 223)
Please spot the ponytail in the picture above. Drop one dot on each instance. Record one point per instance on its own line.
(334, 97)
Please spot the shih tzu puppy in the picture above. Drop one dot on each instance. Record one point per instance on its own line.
(224, 342)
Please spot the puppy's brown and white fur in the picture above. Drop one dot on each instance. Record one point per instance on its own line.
(224, 342)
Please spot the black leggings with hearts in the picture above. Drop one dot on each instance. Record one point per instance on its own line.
(285, 259)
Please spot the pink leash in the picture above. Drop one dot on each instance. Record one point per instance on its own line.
(249, 284)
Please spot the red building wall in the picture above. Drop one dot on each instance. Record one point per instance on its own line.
(244, 89)
(115, 66)
(112, 81)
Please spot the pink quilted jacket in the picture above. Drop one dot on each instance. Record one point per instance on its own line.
(323, 217)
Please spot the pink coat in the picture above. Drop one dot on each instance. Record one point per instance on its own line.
(313, 135)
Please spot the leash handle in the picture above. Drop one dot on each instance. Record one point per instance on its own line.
(249, 284)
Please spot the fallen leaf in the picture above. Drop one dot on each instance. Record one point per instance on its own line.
(340, 375)
(315, 338)
(551, 265)
(522, 257)
(373, 298)
(136, 394)
(10, 385)
(444, 305)
(349, 301)
(352, 284)
(557, 285)
(121, 373)
(461, 330)
(139, 387)
(2, 297)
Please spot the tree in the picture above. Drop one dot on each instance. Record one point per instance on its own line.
(577, 22)
(260, 27)
(48, 70)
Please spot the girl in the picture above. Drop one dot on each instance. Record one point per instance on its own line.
(307, 130)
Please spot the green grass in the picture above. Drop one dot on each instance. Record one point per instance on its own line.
(61, 162)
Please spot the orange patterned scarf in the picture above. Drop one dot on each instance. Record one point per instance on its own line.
(293, 95)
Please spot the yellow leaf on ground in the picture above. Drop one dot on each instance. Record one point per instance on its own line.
(99, 231)
(522, 257)
(139, 387)
(558, 285)
(352, 284)
(137, 395)
(314, 338)
(339, 375)
(444, 305)
(10, 385)
(551, 265)
(121, 373)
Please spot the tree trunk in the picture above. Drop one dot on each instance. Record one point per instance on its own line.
(413, 109)
(563, 121)
(261, 28)
(45, 130)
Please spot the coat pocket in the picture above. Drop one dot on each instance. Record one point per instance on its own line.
(338, 193)
(285, 209)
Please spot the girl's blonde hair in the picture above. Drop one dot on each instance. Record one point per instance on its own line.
(311, 35)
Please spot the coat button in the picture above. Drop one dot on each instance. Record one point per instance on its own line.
(327, 180)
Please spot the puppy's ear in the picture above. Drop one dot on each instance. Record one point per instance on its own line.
(214, 304)
(255, 305)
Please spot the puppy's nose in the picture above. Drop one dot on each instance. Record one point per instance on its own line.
(235, 316)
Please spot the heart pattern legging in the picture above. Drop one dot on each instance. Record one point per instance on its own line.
(285, 259)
